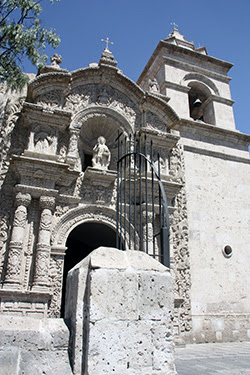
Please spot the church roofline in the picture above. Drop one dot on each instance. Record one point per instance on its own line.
(71, 77)
(164, 44)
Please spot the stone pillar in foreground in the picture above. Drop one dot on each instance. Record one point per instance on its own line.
(119, 308)
(13, 273)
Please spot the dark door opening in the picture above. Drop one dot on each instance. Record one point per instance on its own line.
(81, 242)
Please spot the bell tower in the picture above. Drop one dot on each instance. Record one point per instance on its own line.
(196, 84)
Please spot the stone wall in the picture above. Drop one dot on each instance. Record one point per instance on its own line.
(217, 185)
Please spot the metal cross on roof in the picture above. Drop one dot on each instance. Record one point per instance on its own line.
(107, 41)
(174, 24)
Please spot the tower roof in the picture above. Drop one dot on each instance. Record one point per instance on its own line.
(175, 37)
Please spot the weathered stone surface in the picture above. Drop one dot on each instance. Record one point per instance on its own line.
(120, 314)
(32, 346)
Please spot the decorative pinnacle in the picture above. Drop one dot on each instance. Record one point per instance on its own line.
(175, 25)
(107, 41)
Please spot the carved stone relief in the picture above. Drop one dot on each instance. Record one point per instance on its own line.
(43, 139)
(153, 122)
(163, 159)
(52, 99)
(179, 241)
(55, 281)
(102, 95)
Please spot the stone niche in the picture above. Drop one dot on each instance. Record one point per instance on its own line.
(119, 312)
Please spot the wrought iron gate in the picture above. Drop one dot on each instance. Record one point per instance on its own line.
(142, 213)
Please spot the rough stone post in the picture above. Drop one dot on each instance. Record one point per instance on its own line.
(13, 273)
(43, 244)
(119, 307)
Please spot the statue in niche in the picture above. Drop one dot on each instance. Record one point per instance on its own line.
(101, 154)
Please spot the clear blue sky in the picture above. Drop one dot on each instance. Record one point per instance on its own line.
(136, 26)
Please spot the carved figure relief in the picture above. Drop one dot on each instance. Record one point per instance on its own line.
(101, 154)
(153, 122)
(43, 139)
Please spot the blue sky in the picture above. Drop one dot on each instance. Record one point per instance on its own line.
(136, 27)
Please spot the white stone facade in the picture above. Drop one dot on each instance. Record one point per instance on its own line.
(50, 192)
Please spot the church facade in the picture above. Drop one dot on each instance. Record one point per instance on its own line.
(59, 176)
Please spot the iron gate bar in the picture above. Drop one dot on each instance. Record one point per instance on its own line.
(129, 207)
(153, 200)
(134, 190)
(146, 173)
(142, 160)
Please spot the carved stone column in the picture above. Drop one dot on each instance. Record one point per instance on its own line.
(43, 244)
(13, 271)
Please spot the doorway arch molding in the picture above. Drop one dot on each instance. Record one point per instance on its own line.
(80, 215)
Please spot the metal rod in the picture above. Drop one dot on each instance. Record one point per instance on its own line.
(140, 194)
(129, 207)
(117, 193)
(159, 174)
(146, 172)
(125, 190)
(135, 190)
(121, 176)
(153, 200)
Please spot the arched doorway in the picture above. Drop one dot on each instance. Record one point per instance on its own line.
(81, 241)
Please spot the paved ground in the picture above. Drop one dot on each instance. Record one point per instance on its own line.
(218, 359)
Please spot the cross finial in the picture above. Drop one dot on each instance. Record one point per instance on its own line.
(107, 41)
(174, 24)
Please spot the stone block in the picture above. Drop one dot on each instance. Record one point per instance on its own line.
(119, 310)
(31, 346)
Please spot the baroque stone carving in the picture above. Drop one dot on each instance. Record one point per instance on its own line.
(55, 281)
(52, 99)
(102, 95)
(43, 139)
(101, 154)
(153, 122)
(179, 240)
(47, 202)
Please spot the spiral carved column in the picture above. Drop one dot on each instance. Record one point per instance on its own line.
(14, 266)
(41, 274)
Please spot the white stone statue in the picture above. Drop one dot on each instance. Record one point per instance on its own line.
(153, 85)
(101, 154)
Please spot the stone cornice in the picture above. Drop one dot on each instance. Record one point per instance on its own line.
(216, 154)
(194, 68)
(233, 136)
(29, 108)
(163, 45)
(175, 86)
(160, 139)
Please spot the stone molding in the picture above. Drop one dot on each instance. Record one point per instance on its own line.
(80, 215)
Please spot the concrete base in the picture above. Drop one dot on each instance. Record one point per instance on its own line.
(119, 310)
